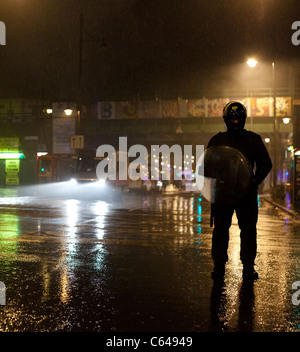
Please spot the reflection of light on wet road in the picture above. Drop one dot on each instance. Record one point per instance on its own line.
(99, 209)
(178, 216)
(9, 232)
(46, 282)
(140, 263)
(198, 231)
(64, 285)
(72, 215)
(71, 221)
(9, 226)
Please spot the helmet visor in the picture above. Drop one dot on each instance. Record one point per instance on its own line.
(235, 114)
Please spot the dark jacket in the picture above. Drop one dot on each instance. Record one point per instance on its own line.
(252, 146)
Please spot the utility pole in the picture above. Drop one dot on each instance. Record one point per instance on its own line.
(79, 102)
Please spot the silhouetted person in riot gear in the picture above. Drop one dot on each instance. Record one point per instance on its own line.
(253, 148)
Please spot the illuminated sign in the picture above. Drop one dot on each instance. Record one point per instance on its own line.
(11, 155)
(12, 168)
(12, 165)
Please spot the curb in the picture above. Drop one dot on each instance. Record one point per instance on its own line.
(280, 206)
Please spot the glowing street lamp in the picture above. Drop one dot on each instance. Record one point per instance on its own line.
(68, 111)
(252, 63)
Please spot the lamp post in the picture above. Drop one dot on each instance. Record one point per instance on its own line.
(252, 63)
(275, 127)
(69, 111)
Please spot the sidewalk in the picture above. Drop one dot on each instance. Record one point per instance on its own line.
(285, 205)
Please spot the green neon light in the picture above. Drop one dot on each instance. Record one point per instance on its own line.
(12, 156)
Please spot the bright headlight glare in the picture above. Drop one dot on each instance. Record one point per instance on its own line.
(101, 182)
(73, 181)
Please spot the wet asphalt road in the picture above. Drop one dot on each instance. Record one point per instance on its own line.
(138, 263)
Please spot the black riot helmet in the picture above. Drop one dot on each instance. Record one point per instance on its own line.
(234, 115)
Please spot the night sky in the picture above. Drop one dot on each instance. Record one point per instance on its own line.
(143, 48)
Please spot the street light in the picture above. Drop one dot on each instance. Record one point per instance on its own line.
(252, 62)
(68, 111)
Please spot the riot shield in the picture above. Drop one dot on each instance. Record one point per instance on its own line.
(227, 175)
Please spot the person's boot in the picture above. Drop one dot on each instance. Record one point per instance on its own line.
(249, 273)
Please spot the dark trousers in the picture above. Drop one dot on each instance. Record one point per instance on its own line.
(247, 214)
